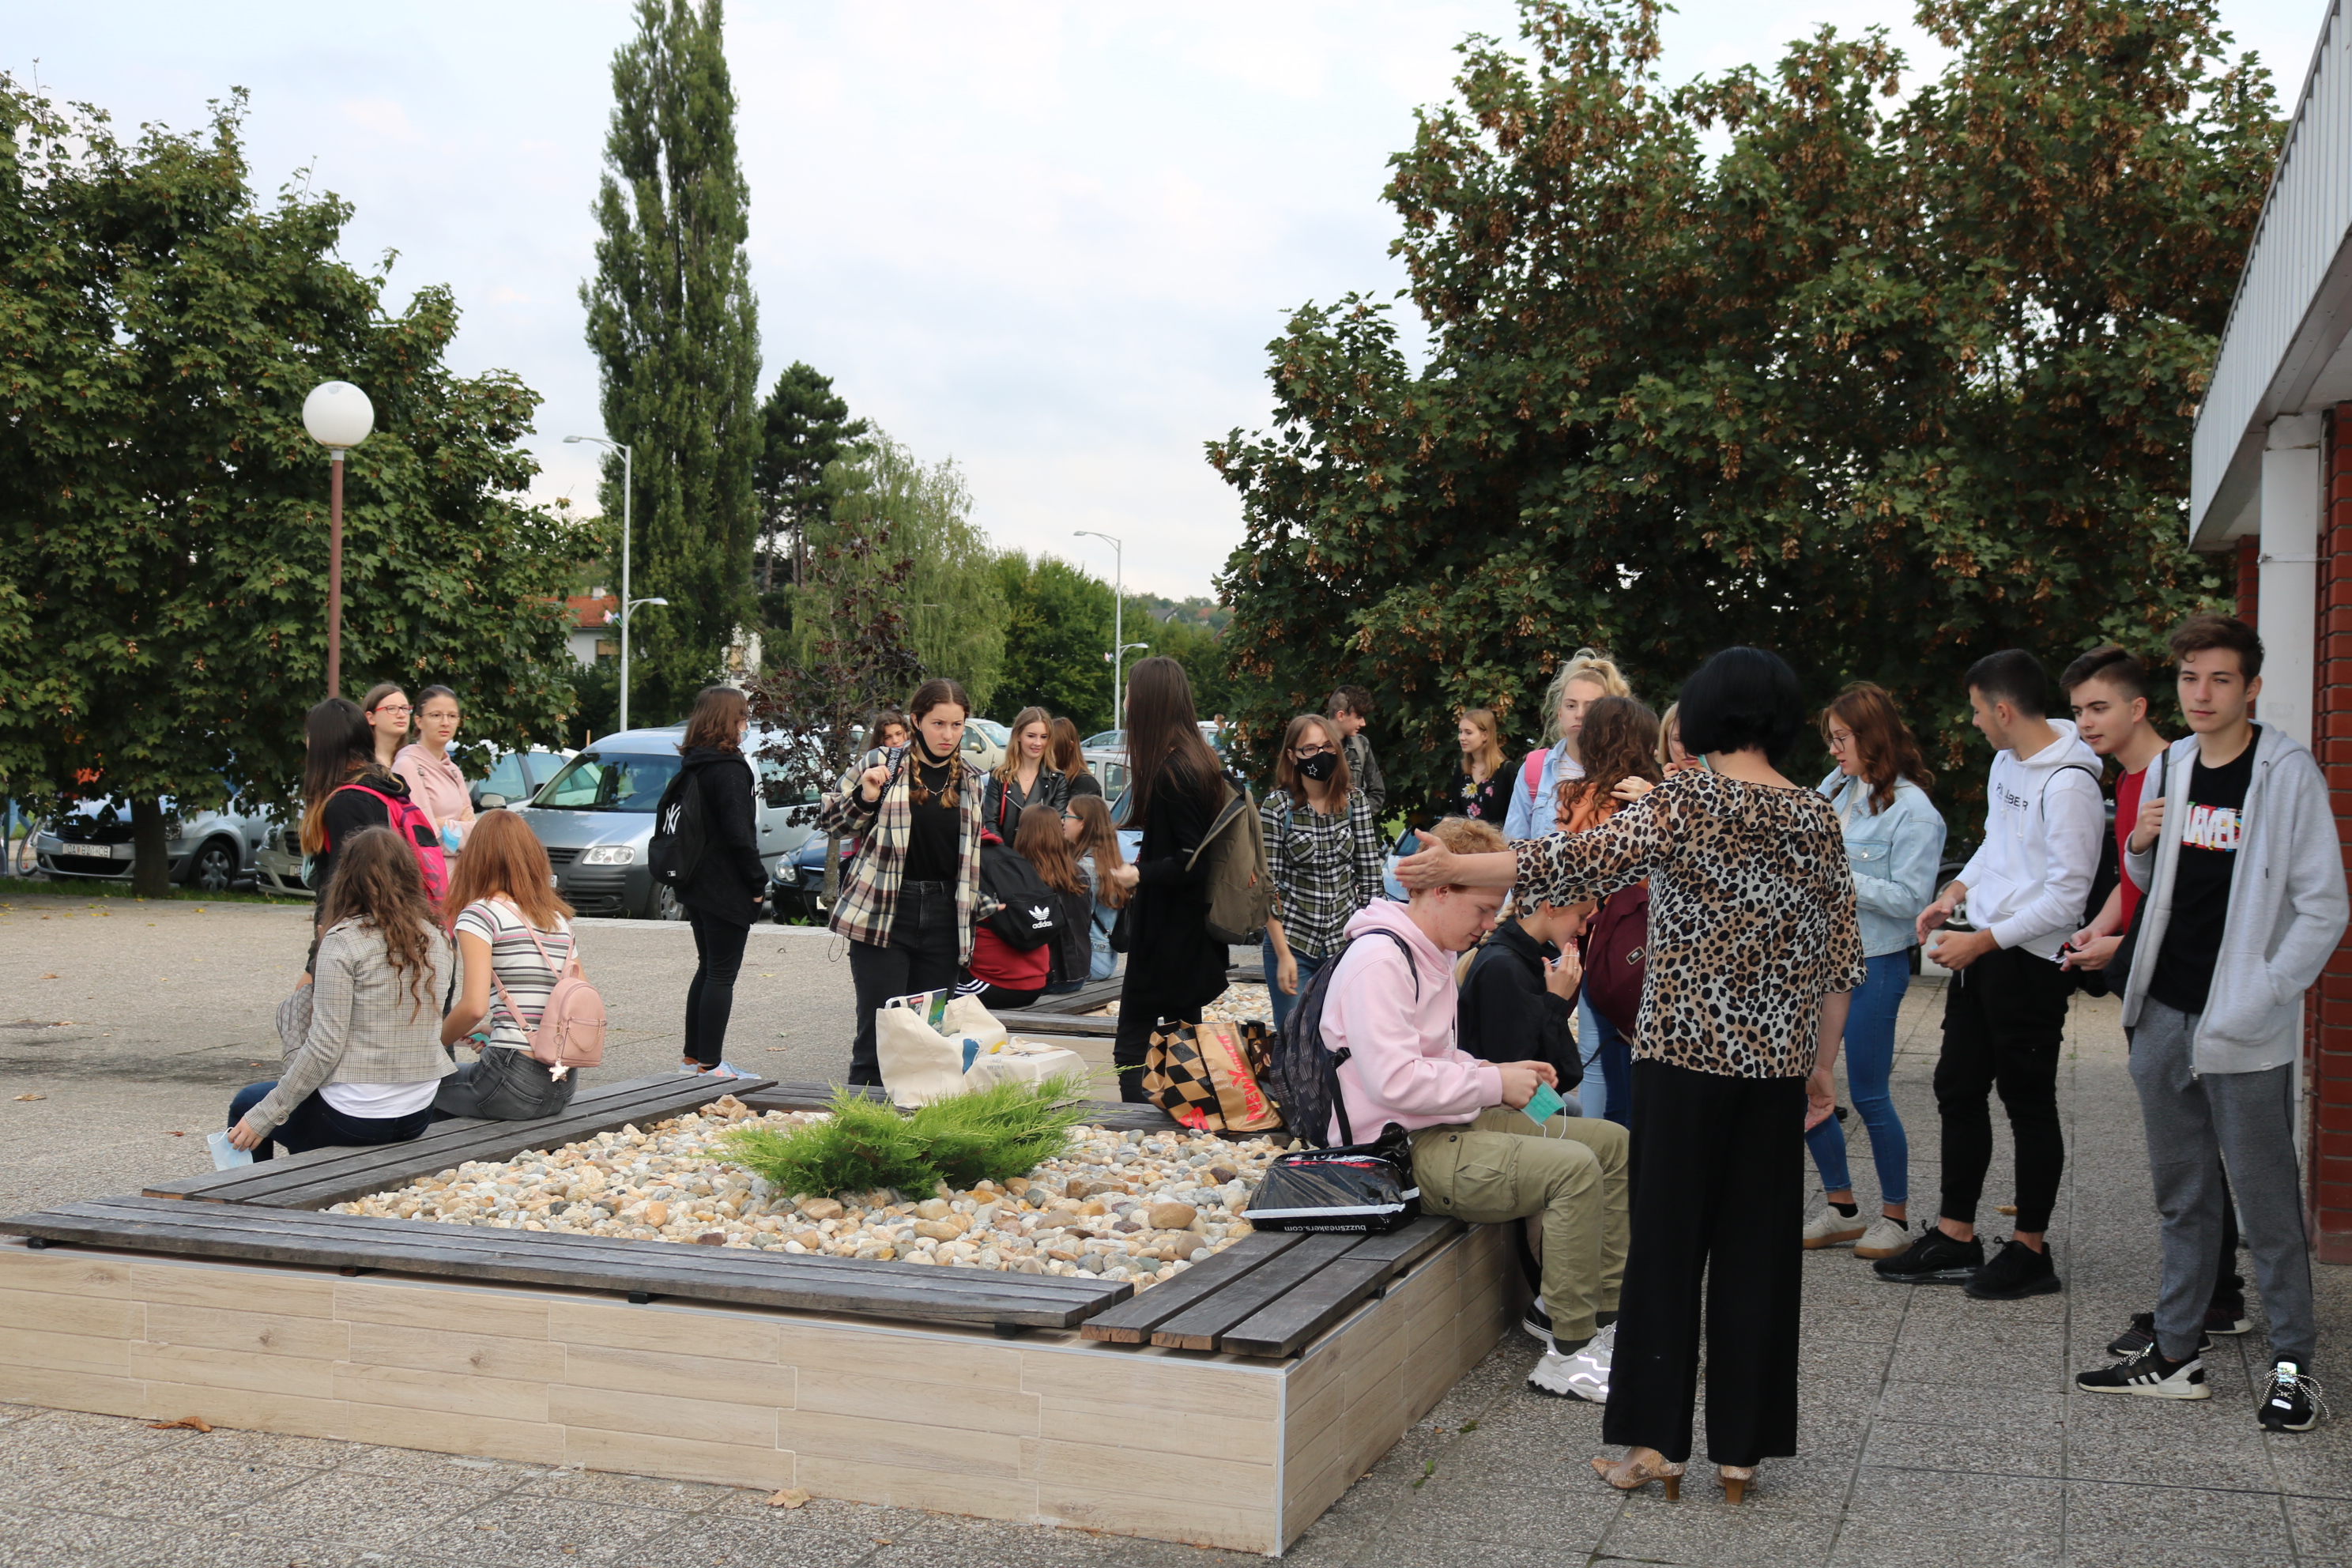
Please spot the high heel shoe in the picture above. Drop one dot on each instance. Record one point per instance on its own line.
(1735, 1480)
(1638, 1469)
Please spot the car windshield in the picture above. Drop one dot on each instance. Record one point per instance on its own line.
(622, 782)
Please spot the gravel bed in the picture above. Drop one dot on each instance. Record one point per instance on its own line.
(1239, 1005)
(1127, 1205)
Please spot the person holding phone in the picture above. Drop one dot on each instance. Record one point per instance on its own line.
(1490, 1142)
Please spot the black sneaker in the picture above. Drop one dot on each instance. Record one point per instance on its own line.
(1934, 1259)
(1537, 1322)
(2016, 1272)
(2141, 1336)
(2150, 1376)
(2290, 1403)
(2228, 1316)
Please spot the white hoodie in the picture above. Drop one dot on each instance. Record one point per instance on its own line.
(2043, 815)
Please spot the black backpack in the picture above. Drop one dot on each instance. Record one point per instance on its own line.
(1032, 912)
(1305, 1074)
(680, 836)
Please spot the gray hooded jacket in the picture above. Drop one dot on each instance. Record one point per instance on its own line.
(2287, 907)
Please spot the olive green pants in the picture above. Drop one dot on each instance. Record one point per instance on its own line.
(1570, 1172)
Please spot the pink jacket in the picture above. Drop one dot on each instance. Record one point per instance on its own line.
(436, 786)
(1404, 1064)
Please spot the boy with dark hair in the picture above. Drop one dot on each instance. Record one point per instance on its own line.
(2214, 1004)
(1351, 708)
(2005, 1009)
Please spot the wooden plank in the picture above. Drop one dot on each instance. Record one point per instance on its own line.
(1197, 1327)
(1086, 1025)
(1131, 1323)
(214, 1185)
(1290, 1322)
(861, 1286)
(311, 1183)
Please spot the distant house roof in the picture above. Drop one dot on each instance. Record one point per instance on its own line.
(591, 610)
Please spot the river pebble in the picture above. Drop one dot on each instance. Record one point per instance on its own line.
(1137, 1206)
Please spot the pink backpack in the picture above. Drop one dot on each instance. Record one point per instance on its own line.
(571, 1030)
(1531, 774)
(412, 824)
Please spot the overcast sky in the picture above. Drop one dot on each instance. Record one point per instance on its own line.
(1049, 241)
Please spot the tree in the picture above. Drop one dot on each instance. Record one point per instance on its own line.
(1058, 626)
(1882, 388)
(163, 513)
(804, 427)
(861, 661)
(675, 331)
(951, 602)
(1198, 649)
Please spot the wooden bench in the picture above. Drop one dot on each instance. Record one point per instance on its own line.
(351, 1243)
(325, 1176)
(1114, 1114)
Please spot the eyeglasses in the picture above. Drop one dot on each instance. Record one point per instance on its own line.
(1303, 753)
(399, 710)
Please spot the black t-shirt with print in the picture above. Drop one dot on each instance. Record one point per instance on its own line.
(935, 842)
(2211, 825)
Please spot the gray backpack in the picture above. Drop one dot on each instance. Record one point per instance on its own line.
(1241, 892)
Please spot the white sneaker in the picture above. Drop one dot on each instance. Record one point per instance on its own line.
(1584, 1375)
(1884, 1238)
(1831, 1228)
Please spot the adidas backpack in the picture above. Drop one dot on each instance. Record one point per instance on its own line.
(1241, 893)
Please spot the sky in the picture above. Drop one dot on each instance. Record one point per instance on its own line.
(1049, 241)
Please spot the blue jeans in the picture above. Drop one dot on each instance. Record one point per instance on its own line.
(315, 1124)
(1869, 1053)
(1608, 1065)
(1307, 968)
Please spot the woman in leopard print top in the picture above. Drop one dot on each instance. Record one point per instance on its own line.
(1753, 945)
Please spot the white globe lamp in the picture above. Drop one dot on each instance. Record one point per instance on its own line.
(338, 416)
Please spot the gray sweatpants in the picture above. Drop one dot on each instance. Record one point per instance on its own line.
(2247, 1119)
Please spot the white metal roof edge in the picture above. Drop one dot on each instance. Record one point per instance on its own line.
(2273, 337)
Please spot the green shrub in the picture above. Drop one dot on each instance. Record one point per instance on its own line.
(1003, 1131)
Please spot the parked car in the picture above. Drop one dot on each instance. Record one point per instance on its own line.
(985, 741)
(515, 776)
(211, 850)
(1109, 764)
(595, 818)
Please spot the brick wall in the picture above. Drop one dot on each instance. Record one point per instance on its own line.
(2328, 1038)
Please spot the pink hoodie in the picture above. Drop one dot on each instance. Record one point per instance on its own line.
(1405, 1066)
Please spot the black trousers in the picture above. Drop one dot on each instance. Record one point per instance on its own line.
(2004, 1016)
(1718, 1197)
(710, 995)
(922, 956)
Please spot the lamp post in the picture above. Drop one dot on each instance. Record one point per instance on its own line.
(338, 416)
(628, 499)
(1117, 626)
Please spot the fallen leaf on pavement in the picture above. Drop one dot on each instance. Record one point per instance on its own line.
(190, 1424)
(47, 977)
(791, 1497)
(32, 1096)
(175, 1135)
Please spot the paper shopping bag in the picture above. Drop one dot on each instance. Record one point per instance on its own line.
(1207, 1076)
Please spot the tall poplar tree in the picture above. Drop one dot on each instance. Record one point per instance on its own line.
(672, 319)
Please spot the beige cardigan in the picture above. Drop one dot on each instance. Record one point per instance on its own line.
(365, 1026)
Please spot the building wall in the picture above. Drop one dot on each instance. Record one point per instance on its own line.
(2328, 1037)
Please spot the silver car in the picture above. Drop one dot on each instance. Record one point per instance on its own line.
(210, 850)
(596, 819)
(278, 863)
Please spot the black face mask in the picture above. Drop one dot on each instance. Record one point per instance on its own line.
(1318, 767)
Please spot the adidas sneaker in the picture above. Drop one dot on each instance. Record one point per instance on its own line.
(2150, 1376)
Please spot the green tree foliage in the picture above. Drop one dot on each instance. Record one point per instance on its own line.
(950, 600)
(1199, 649)
(804, 427)
(1058, 625)
(675, 331)
(163, 513)
(1887, 385)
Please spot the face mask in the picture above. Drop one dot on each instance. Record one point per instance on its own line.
(1321, 766)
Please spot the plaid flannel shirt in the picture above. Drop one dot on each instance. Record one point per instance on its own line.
(1325, 867)
(870, 902)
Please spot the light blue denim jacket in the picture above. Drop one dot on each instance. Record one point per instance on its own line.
(1894, 853)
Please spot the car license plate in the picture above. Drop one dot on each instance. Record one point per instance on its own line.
(96, 851)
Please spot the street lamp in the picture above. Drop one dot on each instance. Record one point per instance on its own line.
(628, 497)
(1117, 662)
(1117, 626)
(338, 416)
